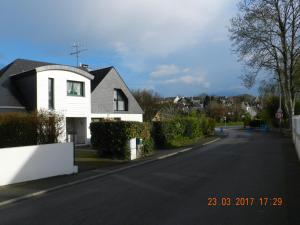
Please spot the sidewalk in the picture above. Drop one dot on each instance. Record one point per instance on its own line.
(21, 191)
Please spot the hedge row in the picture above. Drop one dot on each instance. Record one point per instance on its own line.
(110, 138)
(21, 129)
(165, 132)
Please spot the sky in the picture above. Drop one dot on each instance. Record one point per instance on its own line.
(174, 47)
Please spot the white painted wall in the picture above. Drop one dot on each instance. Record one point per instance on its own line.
(296, 134)
(69, 106)
(27, 163)
(124, 117)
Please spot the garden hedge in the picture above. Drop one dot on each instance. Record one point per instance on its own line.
(165, 132)
(110, 138)
(21, 129)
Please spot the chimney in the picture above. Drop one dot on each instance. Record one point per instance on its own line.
(84, 66)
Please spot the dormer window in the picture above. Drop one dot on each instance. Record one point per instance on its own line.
(120, 100)
(75, 88)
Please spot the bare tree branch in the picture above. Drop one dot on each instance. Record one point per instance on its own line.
(266, 35)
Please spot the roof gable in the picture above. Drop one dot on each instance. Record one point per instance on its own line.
(103, 93)
(99, 75)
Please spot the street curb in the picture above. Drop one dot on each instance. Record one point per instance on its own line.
(210, 142)
(48, 190)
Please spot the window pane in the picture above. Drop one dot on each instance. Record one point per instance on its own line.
(115, 94)
(121, 105)
(119, 95)
(77, 89)
(120, 100)
(69, 87)
(50, 93)
(115, 105)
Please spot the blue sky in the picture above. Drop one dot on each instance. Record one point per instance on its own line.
(175, 47)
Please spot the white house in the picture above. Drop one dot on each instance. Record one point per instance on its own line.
(78, 94)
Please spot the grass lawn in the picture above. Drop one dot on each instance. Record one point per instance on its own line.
(88, 159)
(183, 142)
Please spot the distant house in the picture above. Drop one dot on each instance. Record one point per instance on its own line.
(183, 103)
(78, 94)
(187, 104)
(249, 109)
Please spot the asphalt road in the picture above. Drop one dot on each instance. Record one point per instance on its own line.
(175, 191)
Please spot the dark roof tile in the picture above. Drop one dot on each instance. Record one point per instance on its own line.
(99, 75)
(6, 89)
(23, 65)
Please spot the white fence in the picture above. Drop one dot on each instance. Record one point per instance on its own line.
(27, 163)
(296, 133)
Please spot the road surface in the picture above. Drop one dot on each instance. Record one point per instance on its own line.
(244, 168)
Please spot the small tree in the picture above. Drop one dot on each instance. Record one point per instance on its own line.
(149, 101)
(216, 111)
(49, 126)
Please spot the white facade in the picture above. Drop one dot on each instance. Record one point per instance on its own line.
(68, 106)
(27, 163)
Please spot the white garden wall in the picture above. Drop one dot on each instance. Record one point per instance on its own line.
(27, 163)
(296, 133)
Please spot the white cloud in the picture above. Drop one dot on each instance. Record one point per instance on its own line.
(143, 28)
(156, 27)
(121, 48)
(189, 80)
(219, 39)
(184, 76)
(168, 70)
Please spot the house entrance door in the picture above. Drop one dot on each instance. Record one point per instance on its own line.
(76, 130)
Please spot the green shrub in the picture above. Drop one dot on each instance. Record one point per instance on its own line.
(21, 129)
(210, 130)
(148, 147)
(158, 134)
(110, 138)
(181, 128)
(246, 119)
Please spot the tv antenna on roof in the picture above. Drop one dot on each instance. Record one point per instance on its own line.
(77, 51)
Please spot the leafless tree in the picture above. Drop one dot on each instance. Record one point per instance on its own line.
(265, 34)
(149, 101)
